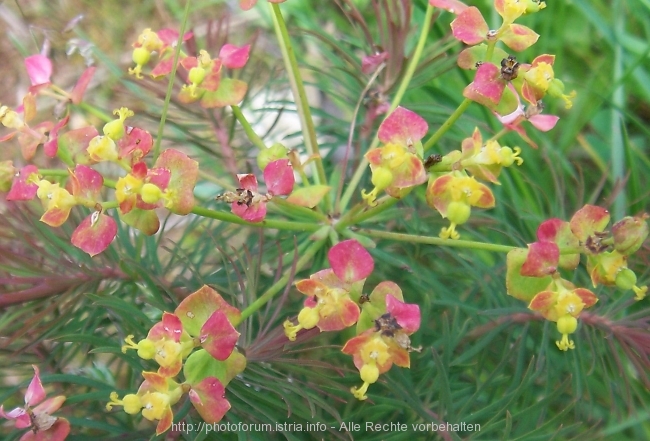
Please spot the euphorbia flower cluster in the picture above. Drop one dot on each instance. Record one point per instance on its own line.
(397, 166)
(169, 183)
(36, 414)
(454, 193)
(204, 73)
(248, 203)
(533, 274)
(500, 79)
(334, 302)
(203, 319)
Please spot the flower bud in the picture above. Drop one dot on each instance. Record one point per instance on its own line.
(629, 233)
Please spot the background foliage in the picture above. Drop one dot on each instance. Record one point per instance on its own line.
(485, 358)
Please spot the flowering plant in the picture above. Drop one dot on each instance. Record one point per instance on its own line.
(431, 238)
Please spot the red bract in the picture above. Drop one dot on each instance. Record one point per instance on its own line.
(135, 145)
(234, 57)
(350, 261)
(252, 206)
(207, 316)
(208, 397)
(329, 304)
(397, 166)
(39, 69)
(23, 188)
(95, 233)
(42, 425)
(487, 87)
(248, 203)
(179, 194)
(86, 183)
(386, 341)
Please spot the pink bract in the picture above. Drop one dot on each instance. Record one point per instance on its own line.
(350, 261)
(21, 190)
(469, 26)
(278, 176)
(234, 57)
(402, 127)
(208, 397)
(39, 69)
(406, 314)
(542, 259)
(218, 336)
(95, 233)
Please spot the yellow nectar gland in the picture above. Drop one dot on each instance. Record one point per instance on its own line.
(382, 177)
(307, 319)
(115, 129)
(374, 352)
(140, 57)
(130, 402)
(146, 348)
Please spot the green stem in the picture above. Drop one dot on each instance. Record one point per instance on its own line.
(438, 241)
(267, 223)
(447, 124)
(106, 117)
(299, 95)
(282, 282)
(401, 90)
(384, 204)
(297, 210)
(64, 174)
(170, 85)
(248, 129)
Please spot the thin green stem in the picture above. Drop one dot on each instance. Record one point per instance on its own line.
(170, 85)
(437, 241)
(384, 204)
(447, 124)
(282, 282)
(299, 94)
(406, 80)
(248, 129)
(64, 174)
(297, 210)
(106, 117)
(267, 223)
